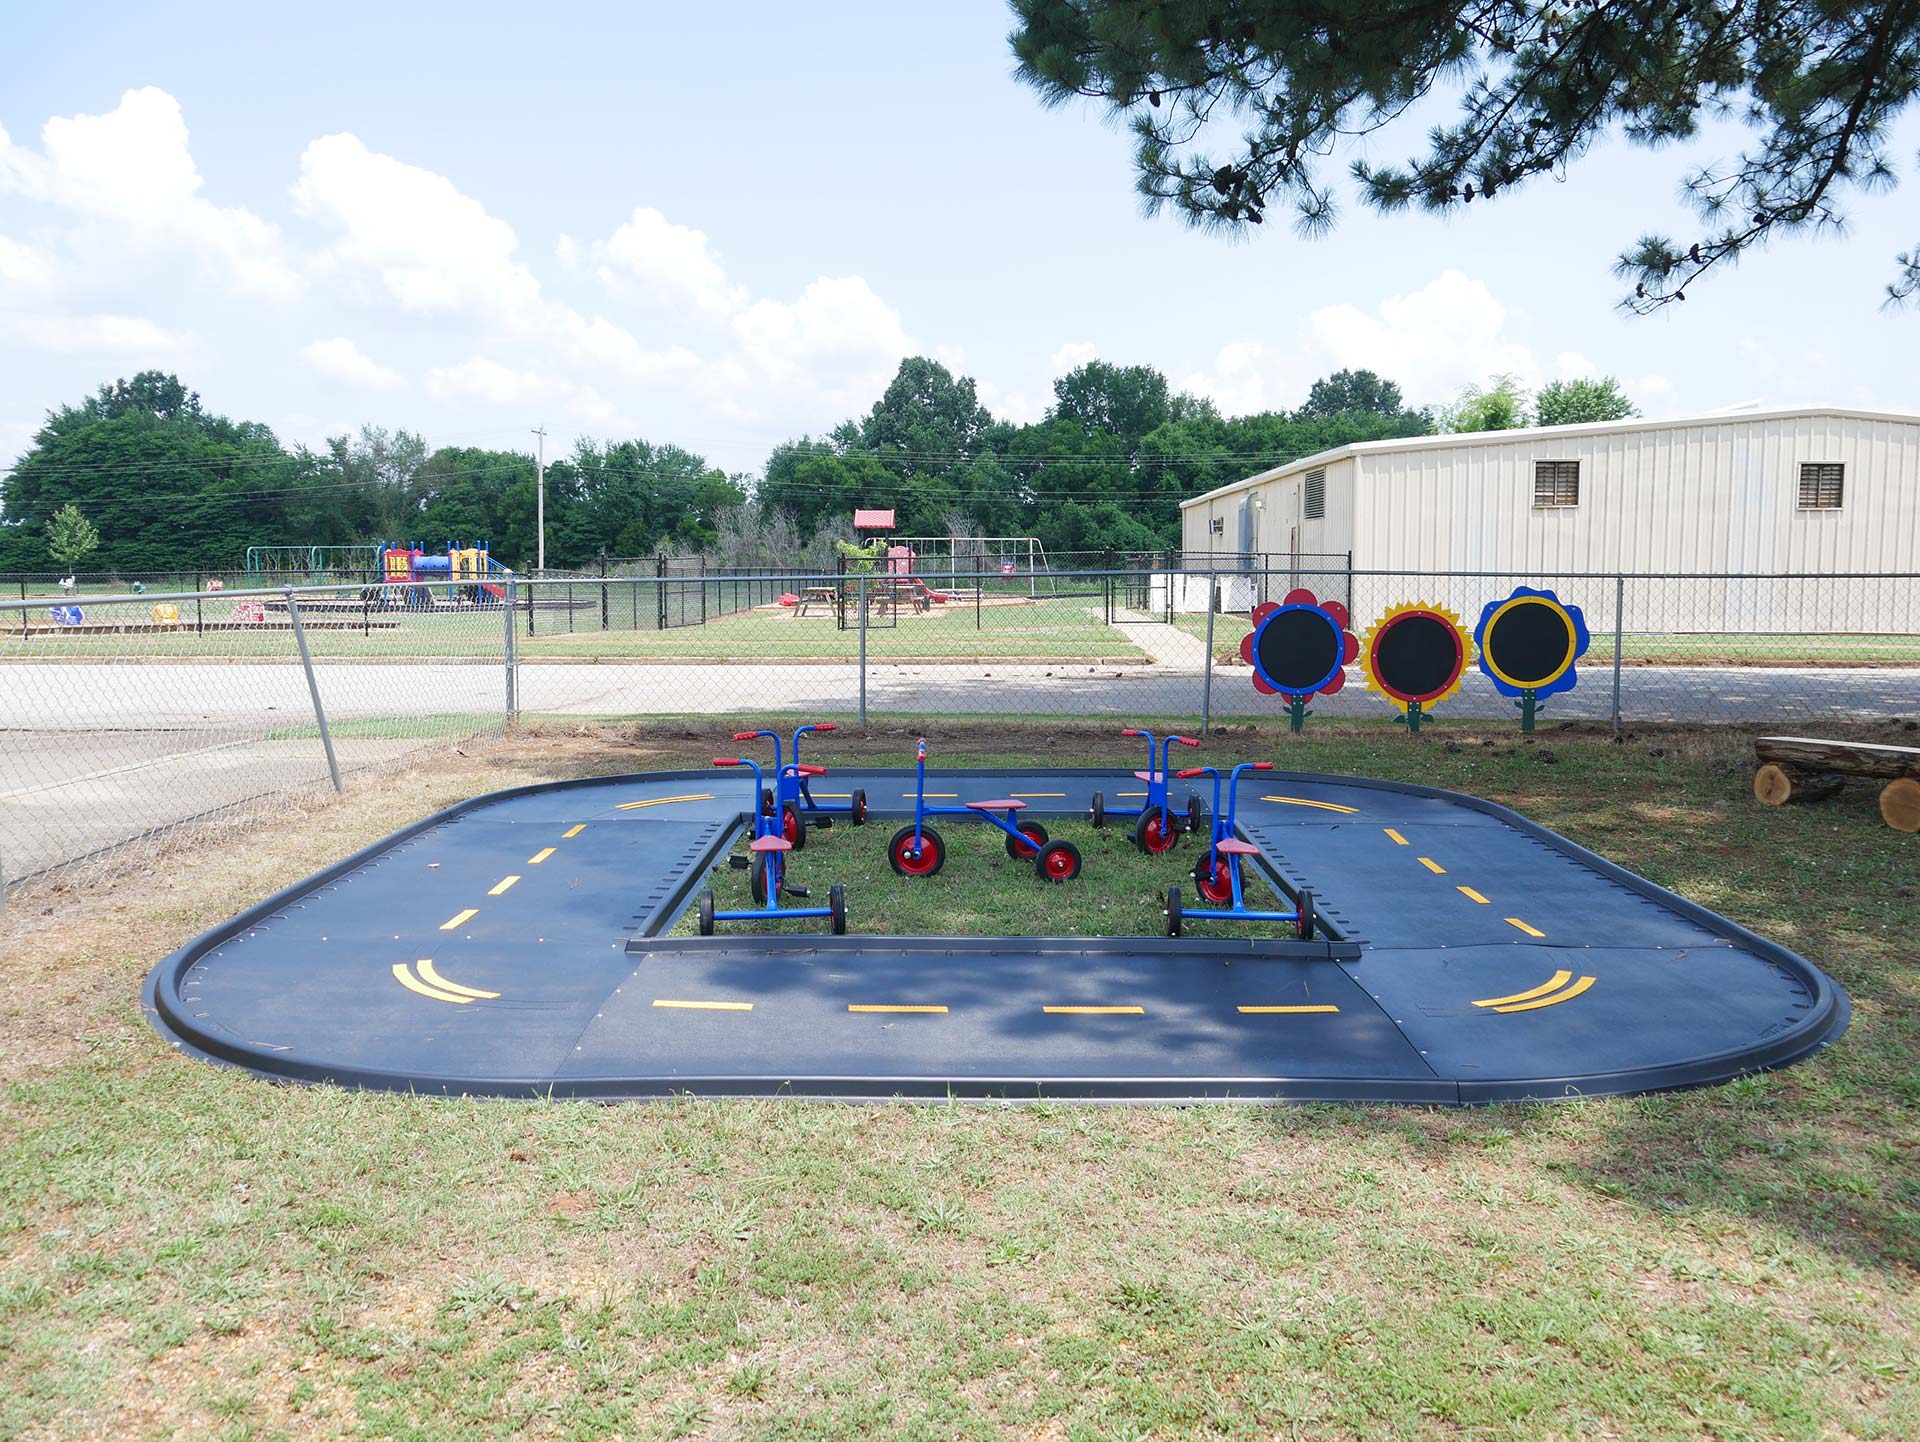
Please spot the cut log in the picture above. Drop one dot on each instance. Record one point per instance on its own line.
(1776, 785)
(1855, 758)
(1900, 804)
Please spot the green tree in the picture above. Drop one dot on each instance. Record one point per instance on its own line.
(1125, 401)
(1569, 402)
(927, 421)
(1501, 406)
(1352, 391)
(71, 537)
(1820, 83)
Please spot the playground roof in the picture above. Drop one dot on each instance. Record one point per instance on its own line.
(873, 520)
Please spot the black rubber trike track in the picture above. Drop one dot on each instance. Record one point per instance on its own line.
(513, 945)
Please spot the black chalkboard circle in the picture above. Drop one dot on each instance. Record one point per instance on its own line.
(1416, 655)
(1530, 642)
(1298, 650)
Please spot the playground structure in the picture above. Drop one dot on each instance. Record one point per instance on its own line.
(400, 575)
(944, 563)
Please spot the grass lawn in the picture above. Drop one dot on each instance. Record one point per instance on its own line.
(1665, 650)
(189, 1252)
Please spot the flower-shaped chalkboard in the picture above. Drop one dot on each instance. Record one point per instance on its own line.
(1529, 644)
(1414, 656)
(1297, 649)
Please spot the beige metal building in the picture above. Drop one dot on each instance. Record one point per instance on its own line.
(1821, 489)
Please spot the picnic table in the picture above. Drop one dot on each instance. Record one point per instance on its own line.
(827, 596)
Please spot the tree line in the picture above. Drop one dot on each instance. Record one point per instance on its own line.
(141, 476)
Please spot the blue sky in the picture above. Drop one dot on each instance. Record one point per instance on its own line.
(723, 227)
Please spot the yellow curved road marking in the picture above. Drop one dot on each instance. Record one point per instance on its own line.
(455, 923)
(1398, 839)
(1094, 1010)
(1472, 895)
(705, 1005)
(1560, 979)
(660, 801)
(433, 978)
(921, 1010)
(1568, 995)
(405, 978)
(541, 855)
(1318, 805)
(506, 884)
(569, 835)
(1285, 1010)
(1516, 921)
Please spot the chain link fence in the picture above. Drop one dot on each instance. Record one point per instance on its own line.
(125, 717)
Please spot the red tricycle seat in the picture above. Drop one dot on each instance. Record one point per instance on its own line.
(1234, 846)
(1149, 776)
(770, 843)
(996, 806)
(807, 768)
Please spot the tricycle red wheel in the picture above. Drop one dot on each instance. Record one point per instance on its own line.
(837, 908)
(1196, 813)
(1097, 813)
(859, 807)
(1213, 876)
(757, 878)
(793, 825)
(1174, 916)
(1036, 835)
(1153, 833)
(1057, 861)
(909, 860)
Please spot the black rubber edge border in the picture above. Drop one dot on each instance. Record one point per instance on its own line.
(1827, 1019)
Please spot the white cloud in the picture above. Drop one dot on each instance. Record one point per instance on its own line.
(24, 271)
(1245, 377)
(1071, 356)
(491, 383)
(1653, 385)
(129, 177)
(1448, 334)
(652, 257)
(126, 337)
(1571, 365)
(837, 324)
(344, 361)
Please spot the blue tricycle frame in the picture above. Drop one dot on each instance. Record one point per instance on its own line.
(917, 849)
(1157, 829)
(1217, 875)
(768, 870)
(791, 795)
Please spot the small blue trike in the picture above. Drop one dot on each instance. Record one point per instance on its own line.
(917, 850)
(767, 870)
(1218, 875)
(1158, 825)
(791, 795)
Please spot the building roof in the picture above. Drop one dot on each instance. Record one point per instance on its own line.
(1489, 438)
(873, 520)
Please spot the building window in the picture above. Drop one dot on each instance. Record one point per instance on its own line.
(1822, 484)
(1317, 494)
(1217, 526)
(1556, 483)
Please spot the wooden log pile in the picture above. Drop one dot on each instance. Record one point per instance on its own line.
(1806, 768)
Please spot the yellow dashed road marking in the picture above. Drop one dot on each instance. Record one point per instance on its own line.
(1123, 795)
(1568, 995)
(1285, 1010)
(705, 1005)
(933, 796)
(1317, 805)
(540, 855)
(1398, 839)
(461, 920)
(1472, 895)
(434, 978)
(1435, 867)
(1094, 1010)
(1554, 983)
(506, 885)
(569, 835)
(925, 1010)
(1037, 795)
(1516, 921)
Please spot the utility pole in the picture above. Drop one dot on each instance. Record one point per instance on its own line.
(540, 502)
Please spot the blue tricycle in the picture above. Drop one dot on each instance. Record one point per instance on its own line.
(917, 850)
(791, 795)
(1159, 825)
(767, 872)
(1218, 873)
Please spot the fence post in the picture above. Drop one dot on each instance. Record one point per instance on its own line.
(199, 620)
(979, 585)
(313, 688)
(1206, 686)
(660, 590)
(1619, 627)
(24, 616)
(603, 591)
(512, 658)
(863, 650)
(703, 590)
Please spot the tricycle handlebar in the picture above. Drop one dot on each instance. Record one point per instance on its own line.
(825, 726)
(1185, 741)
(1263, 766)
(1190, 772)
(726, 761)
(1130, 732)
(745, 735)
